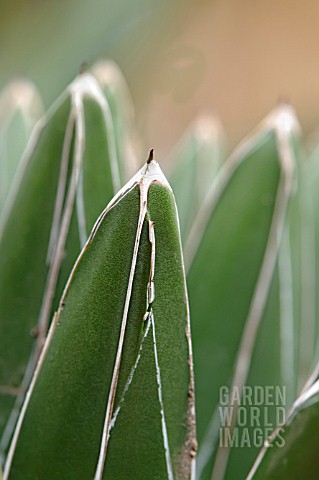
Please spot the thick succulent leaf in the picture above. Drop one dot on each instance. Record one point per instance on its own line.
(23, 246)
(280, 325)
(309, 232)
(196, 161)
(112, 396)
(292, 450)
(293, 291)
(120, 103)
(45, 222)
(20, 108)
(96, 180)
(233, 281)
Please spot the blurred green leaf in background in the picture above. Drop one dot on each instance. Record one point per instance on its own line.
(195, 162)
(20, 108)
(70, 169)
(232, 253)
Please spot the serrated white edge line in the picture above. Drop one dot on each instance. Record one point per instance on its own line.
(130, 377)
(77, 111)
(61, 188)
(151, 172)
(116, 369)
(160, 398)
(80, 211)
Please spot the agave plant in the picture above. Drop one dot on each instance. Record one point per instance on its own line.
(113, 320)
(96, 363)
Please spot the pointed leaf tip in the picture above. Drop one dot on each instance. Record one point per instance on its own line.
(151, 156)
(283, 119)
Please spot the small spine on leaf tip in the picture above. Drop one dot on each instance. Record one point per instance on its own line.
(150, 157)
(283, 100)
(83, 67)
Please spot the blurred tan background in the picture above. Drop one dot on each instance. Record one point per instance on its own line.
(180, 58)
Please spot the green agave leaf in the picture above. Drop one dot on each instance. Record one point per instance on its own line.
(280, 322)
(277, 341)
(309, 228)
(292, 450)
(112, 396)
(293, 292)
(233, 283)
(69, 162)
(20, 108)
(196, 161)
(120, 103)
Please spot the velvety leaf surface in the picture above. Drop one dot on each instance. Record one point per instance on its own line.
(114, 396)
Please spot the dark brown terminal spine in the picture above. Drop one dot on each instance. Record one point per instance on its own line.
(151, 156)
